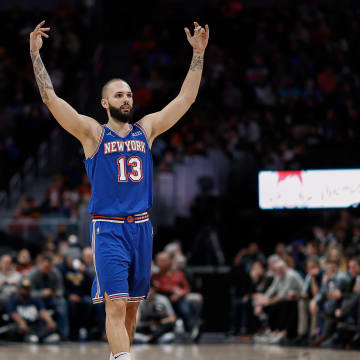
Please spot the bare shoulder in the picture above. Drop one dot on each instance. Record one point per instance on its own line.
(147, 123)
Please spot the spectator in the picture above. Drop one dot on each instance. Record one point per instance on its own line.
(24, 264)
(47, 285)
(242, 318)
(53, 196)
(281, 250)
(9, 281)
(334, 282)
(27, 209)
(312, 284)
(247, 256)
(280, 304)
(195, 299)
(349, 311)
(33, 322)
(156, 319)
(334, 253)
(173, 284)
(77, 284)
(88, 261)
(271, 269)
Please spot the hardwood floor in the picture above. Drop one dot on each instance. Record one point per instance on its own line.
(100, 351)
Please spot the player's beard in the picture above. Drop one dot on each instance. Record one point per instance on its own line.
(118, 114)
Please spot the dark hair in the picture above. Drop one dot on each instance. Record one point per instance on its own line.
(313, 259)
(260, 262)
(45, 258)
(333, 262)
(356, 259)
(314, 244)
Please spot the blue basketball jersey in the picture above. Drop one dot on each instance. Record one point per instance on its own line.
(120, 173)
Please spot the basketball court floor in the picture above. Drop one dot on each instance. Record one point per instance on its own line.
(100, 351)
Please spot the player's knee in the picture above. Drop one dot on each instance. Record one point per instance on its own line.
(131, 311)
(116, 309)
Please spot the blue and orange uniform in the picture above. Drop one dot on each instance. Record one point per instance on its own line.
(120, 173)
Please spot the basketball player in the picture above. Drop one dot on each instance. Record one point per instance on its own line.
(119, 165)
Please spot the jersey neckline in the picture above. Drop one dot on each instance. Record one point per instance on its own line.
(121, 137)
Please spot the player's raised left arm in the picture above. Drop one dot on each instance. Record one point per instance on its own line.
(158, 122)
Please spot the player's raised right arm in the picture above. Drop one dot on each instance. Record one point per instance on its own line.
(82, 127)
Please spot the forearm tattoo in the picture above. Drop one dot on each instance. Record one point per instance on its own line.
(197, 61)
(41, 75)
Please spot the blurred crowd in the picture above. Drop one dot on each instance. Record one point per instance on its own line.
(305, 293)
(285, 93)
(46, 298)
(282, 92)
(61, 199)
(66, 58)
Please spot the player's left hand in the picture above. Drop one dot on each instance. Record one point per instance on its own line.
(200, 38)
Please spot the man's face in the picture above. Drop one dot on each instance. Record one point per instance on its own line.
(354, 268)
(24, 257)
(119, 101)
(253, 248)
(311, 250)
(24, 292)
(5, 263)
(280, 248)
(280, 269)
(163, 262)
(45, 266)
(87, 256)
(331, 269)
(258, 268)
(312, 268)
(272, 266)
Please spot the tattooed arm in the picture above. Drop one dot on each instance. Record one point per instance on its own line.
(84, 128)
(42, 77)
(156, 123)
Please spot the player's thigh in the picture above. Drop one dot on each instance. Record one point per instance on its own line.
(111, 257)
(139, 281)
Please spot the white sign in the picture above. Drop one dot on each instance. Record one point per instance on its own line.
(309, 189)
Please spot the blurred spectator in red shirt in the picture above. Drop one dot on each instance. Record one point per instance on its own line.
(24, 264)
(173, 283)
(327, 80)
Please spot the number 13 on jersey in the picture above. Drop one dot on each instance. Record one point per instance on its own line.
(135, 175)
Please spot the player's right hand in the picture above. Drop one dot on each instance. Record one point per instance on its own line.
(36, 37)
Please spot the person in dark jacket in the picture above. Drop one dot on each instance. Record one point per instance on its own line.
(33, 322)
(77, 283)
(328, 299)
(47, 285)
(242, 319)
(349, 311)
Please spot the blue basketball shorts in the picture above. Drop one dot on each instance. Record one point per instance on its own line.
(122, 251)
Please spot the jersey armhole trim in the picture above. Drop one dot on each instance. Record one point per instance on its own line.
(145, 133)
(98, 145)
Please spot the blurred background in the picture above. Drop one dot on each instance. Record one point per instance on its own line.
(280, 91)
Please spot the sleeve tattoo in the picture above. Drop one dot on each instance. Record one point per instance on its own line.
(197, 61)
(41, 75)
